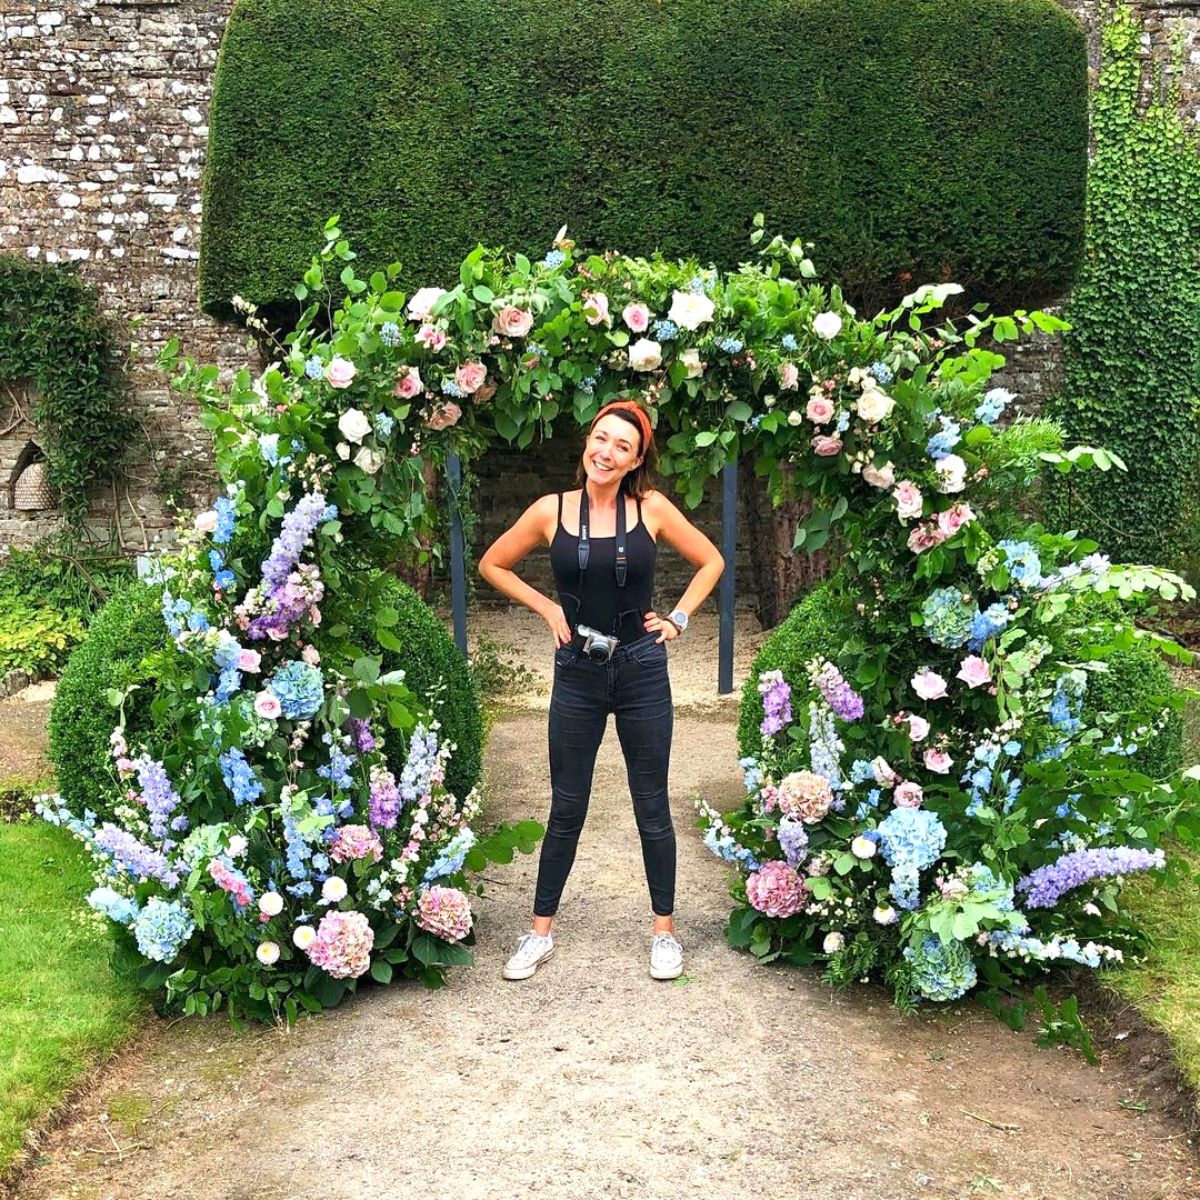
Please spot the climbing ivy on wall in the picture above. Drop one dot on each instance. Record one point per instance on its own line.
(53, 333)
(1132, 355)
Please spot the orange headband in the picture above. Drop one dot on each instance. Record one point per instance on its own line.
(631, 406)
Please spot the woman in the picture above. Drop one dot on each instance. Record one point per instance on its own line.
(609, 656)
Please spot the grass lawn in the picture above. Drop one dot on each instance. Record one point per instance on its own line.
(62, 1010)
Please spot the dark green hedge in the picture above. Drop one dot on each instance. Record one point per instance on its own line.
(130, 627)
(909, 139)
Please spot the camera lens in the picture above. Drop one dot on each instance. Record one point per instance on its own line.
(598, 654)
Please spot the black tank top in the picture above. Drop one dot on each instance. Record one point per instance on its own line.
(597, 600)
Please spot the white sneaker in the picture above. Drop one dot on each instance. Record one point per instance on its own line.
(532, 950)
(666, 957)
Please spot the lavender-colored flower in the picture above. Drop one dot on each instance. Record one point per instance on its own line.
(1044, 887)
(360, 731)
(846, 703)
(777, 702)
(298, 527)
(134, 857)
(160, 798)
(385, 798)
(793, 840)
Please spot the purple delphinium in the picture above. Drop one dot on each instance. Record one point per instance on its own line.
(1047, 885)
(360, 731)
(385, 799)
(846, 703)
(134, 857)
(160, 798)
(298, 526)
(777, 702)
(793, 840)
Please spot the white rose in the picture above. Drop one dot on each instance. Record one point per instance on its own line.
(237, 846)
(833, 943)
(794, 417)
(270, 903)
(353, 425)
(689, 310)
(421, 305)
(343, 451)
(873, 406)
(691, 360)
(880, 477)
(267, 953)
(369, 460)
(333, 889)
(862, 847)
(951, 473)
(303, 936)
(827, 325)
(644, 355)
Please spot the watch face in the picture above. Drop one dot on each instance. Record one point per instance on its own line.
(680, 618)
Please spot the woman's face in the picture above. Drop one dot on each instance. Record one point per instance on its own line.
(612, 450)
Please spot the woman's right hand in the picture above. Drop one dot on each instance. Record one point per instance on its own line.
(557, 620)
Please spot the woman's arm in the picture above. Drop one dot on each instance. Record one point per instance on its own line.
(682, 535)
(496, 566)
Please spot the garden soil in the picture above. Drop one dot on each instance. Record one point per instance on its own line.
(592, 1080)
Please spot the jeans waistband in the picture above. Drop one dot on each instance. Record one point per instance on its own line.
(623, 649)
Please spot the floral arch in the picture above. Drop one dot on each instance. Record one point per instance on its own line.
(928, 801)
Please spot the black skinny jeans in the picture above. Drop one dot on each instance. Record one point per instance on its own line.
(633, 684)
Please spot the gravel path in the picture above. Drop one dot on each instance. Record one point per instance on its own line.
(591, 1080)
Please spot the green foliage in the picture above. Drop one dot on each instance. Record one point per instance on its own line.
(850, 121)
(1132, 356)
(53, 333)
(34, 637)
(123, 633)
(413, 639)
(814, 626)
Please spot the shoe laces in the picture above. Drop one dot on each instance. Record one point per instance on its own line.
(530, 945)
(666, 943)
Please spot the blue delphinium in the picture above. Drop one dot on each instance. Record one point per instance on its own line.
(1044, 887)
(113, 905)
(940, 970)
(588, 384)
(724, 846)
(948, 621)
(1024, 565)
(451, 856)
(226, 520)
(384, 425)
(299, 689)
(161, 929)
(268, 447)
(197, 622)
(239, 777)
(338, 770)
(788, 341)
(1067, 702)
(793, 840)
(943, 442)
(993, 405)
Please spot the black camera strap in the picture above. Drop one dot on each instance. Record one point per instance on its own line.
(585, 542)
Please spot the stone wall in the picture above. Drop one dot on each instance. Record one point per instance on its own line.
(103, 126)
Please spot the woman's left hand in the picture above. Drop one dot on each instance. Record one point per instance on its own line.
(660, 625)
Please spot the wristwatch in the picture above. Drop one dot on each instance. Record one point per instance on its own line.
(679, 619)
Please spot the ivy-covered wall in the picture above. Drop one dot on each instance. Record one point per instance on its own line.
(906, 138)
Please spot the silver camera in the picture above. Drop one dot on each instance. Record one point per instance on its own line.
(597, 646)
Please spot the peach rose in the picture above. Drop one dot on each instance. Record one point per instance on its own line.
(789, 377)
(826, 447)
(819, 410)
(444, 415)
(595, 309)
(470, 376)
(340, 373)
(511, 321)
(408, 383)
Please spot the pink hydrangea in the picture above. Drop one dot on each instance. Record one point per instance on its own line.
(444, 912)
(776, 890)
(343, 944)
(805, 795)
(355, 841)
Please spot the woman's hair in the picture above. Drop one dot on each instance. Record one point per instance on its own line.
(640, 480)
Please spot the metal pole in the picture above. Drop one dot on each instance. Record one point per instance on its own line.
(458, 554)
(729, 498)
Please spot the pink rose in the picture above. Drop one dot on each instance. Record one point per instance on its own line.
(595, 308)
(311, 655)
(974, 672)
(206, 522)
(925, 537)
(909, 500)
(470, 376)
(819, 410)
(951, 520)
(918, 728)
(340, 373)
(637, 317)
(444, 415)
(420, 307)
(789, 379)
(431, 336)
(929, 685)
(249, 661)
(511, 321)
(266, 704)
(408, 383)
(486, 392)
(826, 447)
(938, 761)
(908, 795)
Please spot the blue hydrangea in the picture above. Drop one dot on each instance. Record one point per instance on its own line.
(451, 389)
(948, 621)
(113, 905)
(861, 771)
(588, 384)
(665, 330)
(940, 970)
(384, 425)
(911, 839)
(987, 625)
(730, 345)
(696, 284)
(1023, 563)
(161, 929)
(389, 333)
(993, 405)
(268, 447)
(299, 688)
(314, 368)
(239, 777)
(882, 372)
(553, 259)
